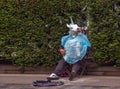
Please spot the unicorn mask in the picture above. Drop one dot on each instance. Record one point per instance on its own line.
(72, 29)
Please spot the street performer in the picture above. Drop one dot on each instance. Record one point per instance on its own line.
(74, 47)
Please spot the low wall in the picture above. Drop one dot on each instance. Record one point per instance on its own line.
(11, 69)
(103, 71)
(91, 70)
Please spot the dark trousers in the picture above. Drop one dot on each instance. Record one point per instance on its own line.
(62, 65)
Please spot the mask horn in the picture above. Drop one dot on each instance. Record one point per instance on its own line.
(71, 20)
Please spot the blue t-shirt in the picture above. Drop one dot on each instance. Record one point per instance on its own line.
(76, 47)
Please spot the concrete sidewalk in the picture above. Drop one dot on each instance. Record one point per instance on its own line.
(24, 81)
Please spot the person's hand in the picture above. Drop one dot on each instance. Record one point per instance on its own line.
(62, 51)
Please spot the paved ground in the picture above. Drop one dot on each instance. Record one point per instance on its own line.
(24, 81)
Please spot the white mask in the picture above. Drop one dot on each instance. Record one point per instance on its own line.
(72, 27)
(72, 33)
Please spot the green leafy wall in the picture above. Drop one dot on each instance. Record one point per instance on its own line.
(30, 30)
(105, 31)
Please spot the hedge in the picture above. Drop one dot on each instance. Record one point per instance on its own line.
(105, 31)
(30, 30)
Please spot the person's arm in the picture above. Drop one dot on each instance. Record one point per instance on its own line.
(61, 48)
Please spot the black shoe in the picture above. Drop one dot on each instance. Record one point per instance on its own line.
(72, 76)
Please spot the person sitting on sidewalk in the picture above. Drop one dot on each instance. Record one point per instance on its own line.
(74, 47)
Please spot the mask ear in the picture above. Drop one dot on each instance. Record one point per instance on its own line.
(68, 25)
(72, 26)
